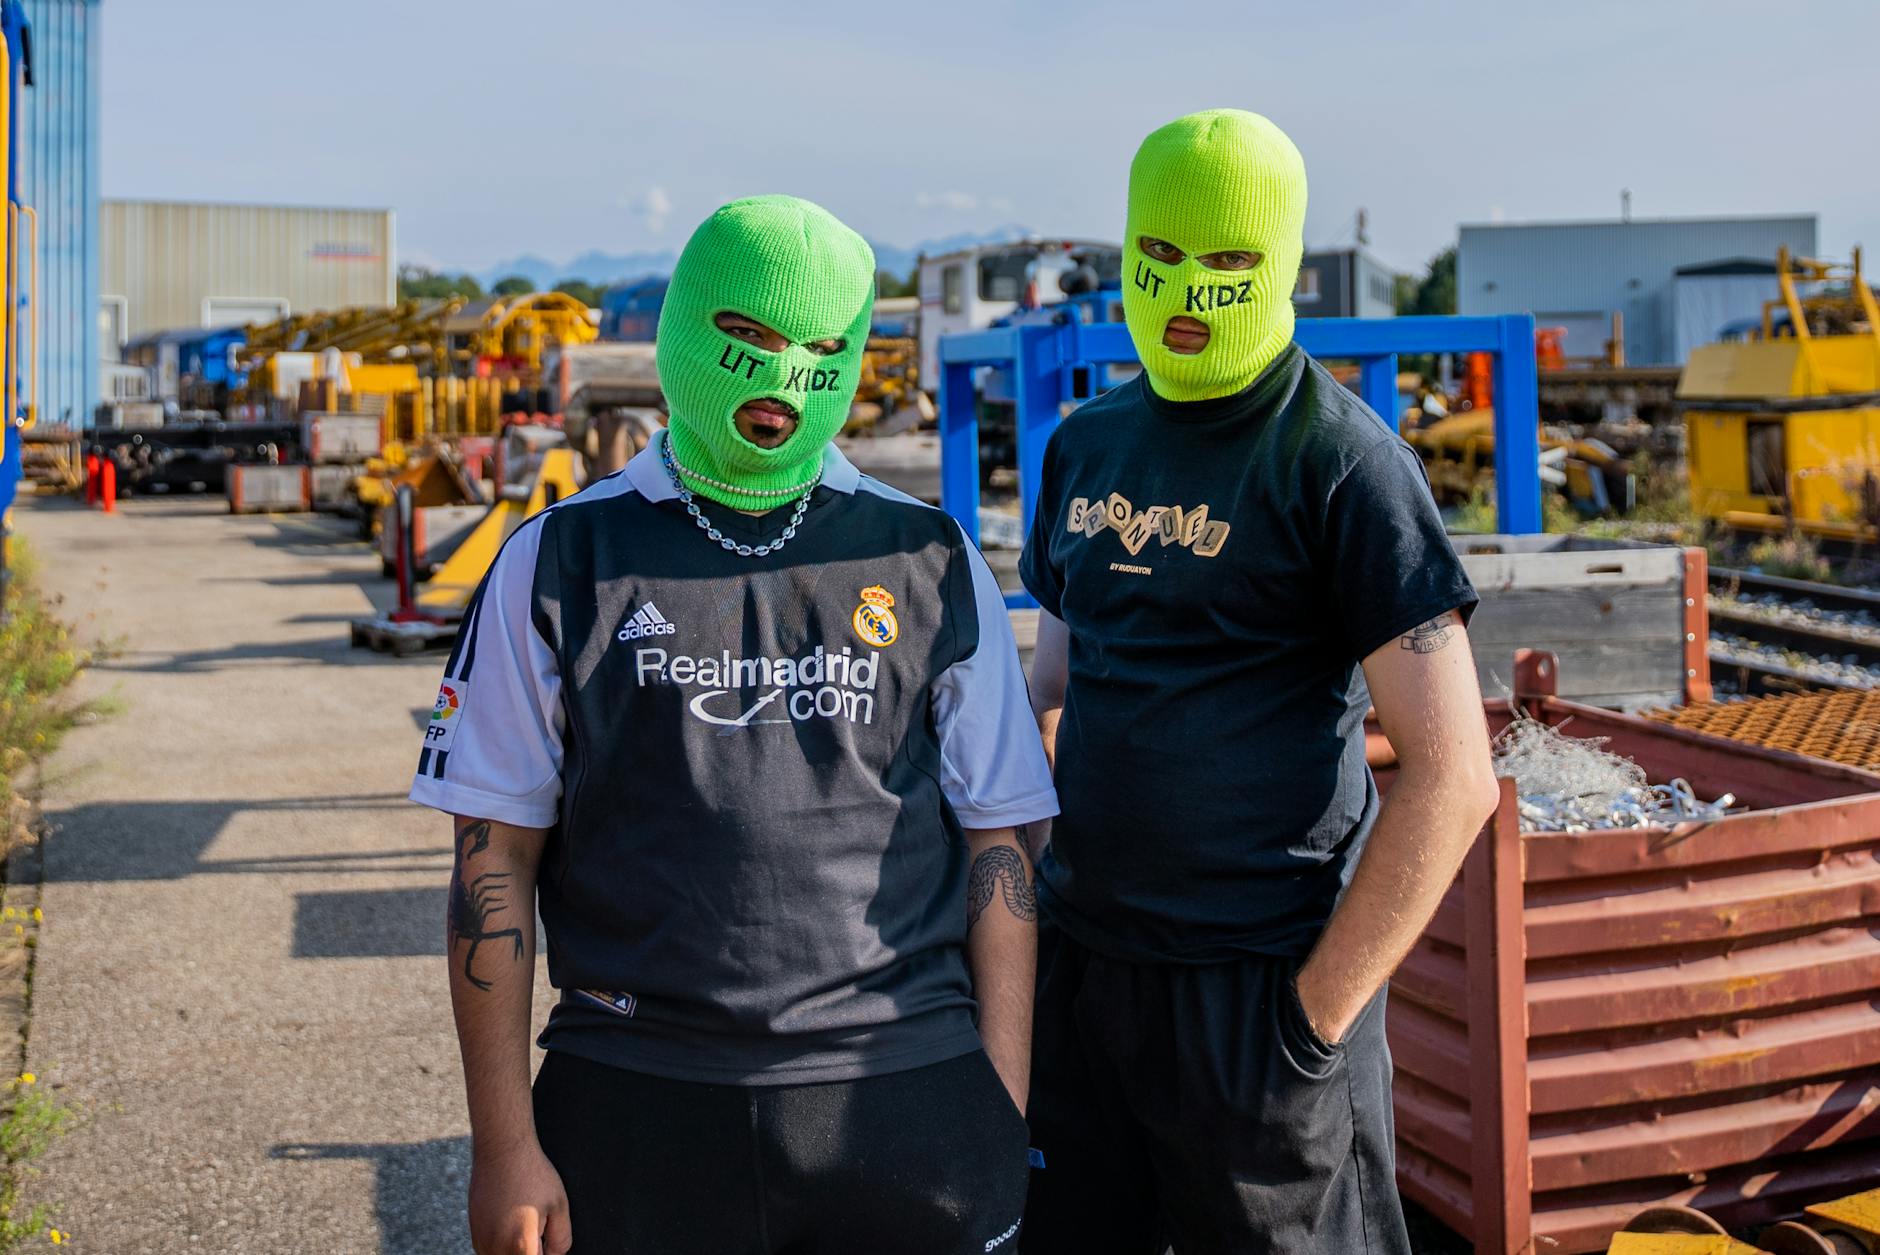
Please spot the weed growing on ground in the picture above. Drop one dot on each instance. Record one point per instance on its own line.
(39, 660)
(27, 1131)
(1478, 513)
(1793, 556)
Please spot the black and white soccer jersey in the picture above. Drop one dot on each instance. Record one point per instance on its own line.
(755, 772)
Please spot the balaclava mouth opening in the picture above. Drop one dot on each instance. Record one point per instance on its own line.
(1209, 182)
(792, 266)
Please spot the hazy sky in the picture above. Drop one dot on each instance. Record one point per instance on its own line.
(554, 126)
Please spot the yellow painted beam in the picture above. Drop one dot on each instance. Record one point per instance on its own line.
(1678, 1244)
(1858, 1212)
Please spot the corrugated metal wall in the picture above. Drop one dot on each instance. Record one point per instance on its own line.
(1373, 288)
(1702, 305)
(1574, 274)
(183, 264)
(59, 178)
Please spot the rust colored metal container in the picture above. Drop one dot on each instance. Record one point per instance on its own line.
(1598, 1022)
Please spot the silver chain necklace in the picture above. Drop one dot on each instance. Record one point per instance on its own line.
(724, 541)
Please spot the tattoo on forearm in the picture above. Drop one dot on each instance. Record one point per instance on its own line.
(475, 901)
(1001, 869)
(1427, 638)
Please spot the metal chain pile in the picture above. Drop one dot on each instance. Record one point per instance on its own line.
(1570, 784)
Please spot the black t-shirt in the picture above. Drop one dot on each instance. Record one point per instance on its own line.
(756, 773)
(1223, 567)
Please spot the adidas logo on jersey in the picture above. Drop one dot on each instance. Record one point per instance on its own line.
(644, 622)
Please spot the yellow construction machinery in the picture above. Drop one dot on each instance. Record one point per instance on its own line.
(437, 366)
(1783, 430)
(445, 496)
(539, 471)
(1458, 451)
(554, 476)
(507, 335)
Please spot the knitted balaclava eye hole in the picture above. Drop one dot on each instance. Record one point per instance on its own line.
(793, 267)
(1211, 182)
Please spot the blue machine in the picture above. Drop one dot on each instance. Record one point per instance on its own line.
(1052, 366)
(209, 356)
(631, 310)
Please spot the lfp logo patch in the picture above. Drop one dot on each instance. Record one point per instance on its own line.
(874, 619)
(446, 715)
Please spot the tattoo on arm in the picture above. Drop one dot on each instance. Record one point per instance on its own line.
(1427, 638)
(476, 900)
(1000, 868)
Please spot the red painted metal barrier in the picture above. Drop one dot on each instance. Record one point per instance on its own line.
(1598, 1022)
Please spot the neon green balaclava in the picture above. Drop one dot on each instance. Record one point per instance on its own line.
(1209, 182)
(793, 267)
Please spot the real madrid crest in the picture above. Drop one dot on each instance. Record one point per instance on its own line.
(874, 618)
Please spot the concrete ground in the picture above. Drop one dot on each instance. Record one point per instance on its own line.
(240, 977)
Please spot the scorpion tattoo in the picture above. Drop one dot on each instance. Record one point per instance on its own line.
(472, 904)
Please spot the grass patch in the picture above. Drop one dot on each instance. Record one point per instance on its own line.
(31, 1124)
(1794, 557)
(39, 660)
(1478, 513)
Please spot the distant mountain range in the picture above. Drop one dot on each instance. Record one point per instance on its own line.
(603, 269)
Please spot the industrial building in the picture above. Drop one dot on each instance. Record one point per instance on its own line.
(58, 180)
(168, 265)
(1577, 275)
(1345, 283)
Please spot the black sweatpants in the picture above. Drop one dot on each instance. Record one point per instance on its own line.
(930, 1161)
(1193, 1106)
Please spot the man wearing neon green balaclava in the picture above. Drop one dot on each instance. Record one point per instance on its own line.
(752, 729)
(752, 415)
(1234, 560)
(1210, 313)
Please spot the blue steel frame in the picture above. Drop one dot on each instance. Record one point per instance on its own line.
(1046, 361)
(14, 29)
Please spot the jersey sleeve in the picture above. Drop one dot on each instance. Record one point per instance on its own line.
(492, 748)
(1042, 578)
(993, 768)
(1391, 564)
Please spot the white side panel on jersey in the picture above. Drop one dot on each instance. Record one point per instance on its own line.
(993, 766)
(493, 748)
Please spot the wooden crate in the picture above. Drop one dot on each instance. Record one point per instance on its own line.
(1628, 620)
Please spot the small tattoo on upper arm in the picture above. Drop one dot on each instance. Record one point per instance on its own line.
(476, 900)
(1000, 868)
(1427, 638)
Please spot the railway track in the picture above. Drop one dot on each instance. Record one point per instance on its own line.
(1793, 635)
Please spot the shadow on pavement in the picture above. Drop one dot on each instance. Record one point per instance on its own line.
(315, 534)
(369, 923)
(336, 651)
(100, 842)
(369, 579)
(418, 1190)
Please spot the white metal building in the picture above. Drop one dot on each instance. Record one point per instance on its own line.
(1577, 274)
(166, 265)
